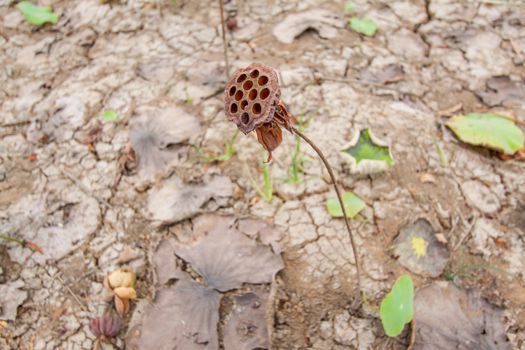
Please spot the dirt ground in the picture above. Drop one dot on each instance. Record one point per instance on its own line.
(159, 65)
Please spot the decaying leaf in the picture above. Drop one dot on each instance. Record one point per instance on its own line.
(160, 138)
(419, 250)
(183, 316)
(226, 258)
(501, 90)
(261, 230)
(366, 153)
(449, 318)
(489, 130)
(11, 297)
(246, 328)
(324, 22)
(174, 200)
(165, 262)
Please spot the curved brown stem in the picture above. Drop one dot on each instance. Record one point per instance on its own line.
(296, 131)
(224, 44)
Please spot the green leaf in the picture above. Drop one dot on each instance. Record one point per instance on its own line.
(489, 130)
(363, 25)
(110, 116)
(365, 148)
(349, 7)
(397, 308)
(353, 205)
(37, 15)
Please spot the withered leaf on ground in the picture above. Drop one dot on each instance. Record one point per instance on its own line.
(324, 22)
(175, 200)
(246, 328)
(226, 258)
(449, 318)
(419, 250)
(501, 90)
(159, 138)
(184, 316)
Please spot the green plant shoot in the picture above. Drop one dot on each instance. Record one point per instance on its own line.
(296, 170)
(110, 116)
(266, 192)
(229, 150)
(397, 308)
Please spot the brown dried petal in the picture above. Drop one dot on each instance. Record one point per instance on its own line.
(270, 136)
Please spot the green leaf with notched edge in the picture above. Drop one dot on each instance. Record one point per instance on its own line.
(397, 308)
(363, 25)
(365, 148)
(110, 116)
(353, 205)
(489, 130)
(37, 15)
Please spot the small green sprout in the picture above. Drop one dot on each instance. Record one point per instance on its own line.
(37, 15)
(110, 116)
(229, 151)
(266, 192)
(349, 7)
(296, 170)
(397, 308)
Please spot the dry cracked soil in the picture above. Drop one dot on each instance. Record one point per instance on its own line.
(141, 190)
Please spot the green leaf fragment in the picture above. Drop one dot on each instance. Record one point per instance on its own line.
(37, 15)
(349, 7)
(365, 148)
(364, 26)
(353, 205)
(397, 308)
(110, 116)
(489, 130)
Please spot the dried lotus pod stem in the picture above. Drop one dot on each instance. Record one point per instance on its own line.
(252, 100)
(339, 197)
(224, 43)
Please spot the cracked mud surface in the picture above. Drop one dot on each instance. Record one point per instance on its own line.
(59, 158)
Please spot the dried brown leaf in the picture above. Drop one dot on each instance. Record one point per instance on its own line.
(419, 250)
(183, 316)
(246, 328)
(226, 258)
(175, 201)
(158, 137)
(449, 318)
